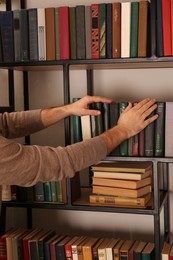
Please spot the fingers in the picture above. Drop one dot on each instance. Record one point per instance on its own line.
(145, 104)
(150, 119)
(93, 99)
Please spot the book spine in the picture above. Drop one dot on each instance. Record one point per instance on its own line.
(166, 23)
(168, 129)
(24, 35)
(88, 32)
(77, 128)
(116, 30)
(124, 145)
(47, 191)
(39, 192)
(57, 43)
(80, 32)
(73, 43)
(33, 34)
(95, 31)
(64, 33)
(50, 33)
(16, 22)
(102, 30)
(159, 129)
(149, 139)
(159, 28)
(142, 28)
(134, 30)
(125, 29)
(7, 36)
(98, 119)
(109, 30)
(41, 33)
(106, 114)
(53, 191)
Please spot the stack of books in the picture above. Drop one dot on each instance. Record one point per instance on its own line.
(122, 184)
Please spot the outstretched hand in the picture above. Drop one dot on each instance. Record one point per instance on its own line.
(134, 119)
(81, 107)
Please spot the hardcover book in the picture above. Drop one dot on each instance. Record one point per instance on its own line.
(148, 252)
(41, 33)
(107, 200)
(73, 24)
(80, 32)
(95, 31)
(88, 32)
(103, 30)
(134, 29)
(50, 33)
(109, 30)
(64, 31)
(57, 40)
(125, 29)
(116, 30)
(33, 34)
(129, 184)
(166, 23)
(121, 192)
(142, 28)
(160, 129)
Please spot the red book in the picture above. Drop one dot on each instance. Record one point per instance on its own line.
(166, 20)
(64, 33)
(26, 241)
(3, 248)
(68, 248)
(95, 31)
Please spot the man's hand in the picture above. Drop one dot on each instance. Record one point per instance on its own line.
(81, 107)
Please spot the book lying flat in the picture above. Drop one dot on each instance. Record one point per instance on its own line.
(129, 184)
(121, 192)
(107, 200)
(138, 167)
(121, 175)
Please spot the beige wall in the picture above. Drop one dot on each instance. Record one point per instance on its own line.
(45, 89)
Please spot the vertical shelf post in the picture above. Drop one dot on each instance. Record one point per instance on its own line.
(157, 239)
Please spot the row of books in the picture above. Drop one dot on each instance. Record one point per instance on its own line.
(40, 244)
(154, 141)
(164, 25)
(122, 184)
(54, 191)
(113, 30)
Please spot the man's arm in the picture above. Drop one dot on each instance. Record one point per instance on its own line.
(27, 165)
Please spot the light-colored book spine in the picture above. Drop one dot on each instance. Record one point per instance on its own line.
(86, 127)
(41, 34)
(102, 253)
(125, 29)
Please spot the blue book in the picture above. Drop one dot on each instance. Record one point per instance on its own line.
(7, 36)
(159, 29)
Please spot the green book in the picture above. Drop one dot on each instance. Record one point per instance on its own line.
(148, 252)
(134, 30)
(57, 40)
(159, 129)
(47, 191)
(124, 145)
(53, 191)
(77, 129)
(72, 17)
(103, 31)
(98, 119)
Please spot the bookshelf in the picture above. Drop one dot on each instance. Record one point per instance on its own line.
(160, 202)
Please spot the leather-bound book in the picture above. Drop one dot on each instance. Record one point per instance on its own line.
(50, 33)
(116, 30)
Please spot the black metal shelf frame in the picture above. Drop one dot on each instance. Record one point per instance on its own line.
(89, 66)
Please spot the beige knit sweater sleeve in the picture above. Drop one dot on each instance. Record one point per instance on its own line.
(26, 165)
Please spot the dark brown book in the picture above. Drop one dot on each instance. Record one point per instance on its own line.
(142, 28)
(124, 250)
(116, 30)
(138, 250)
(50, 33)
